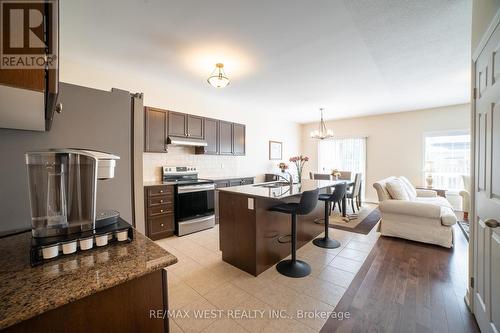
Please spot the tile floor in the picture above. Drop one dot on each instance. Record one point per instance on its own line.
(239, 302)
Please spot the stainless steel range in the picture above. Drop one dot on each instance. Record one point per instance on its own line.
(193, 199)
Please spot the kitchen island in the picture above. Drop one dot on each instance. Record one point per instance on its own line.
(108, 289)
(252, 237)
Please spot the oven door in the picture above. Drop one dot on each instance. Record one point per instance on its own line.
(194, 201)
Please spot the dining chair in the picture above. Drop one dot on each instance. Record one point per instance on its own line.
(339, 191)
(345, 175)
(355, 193)
(320, 176)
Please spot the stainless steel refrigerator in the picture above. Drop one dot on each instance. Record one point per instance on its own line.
(92, 119)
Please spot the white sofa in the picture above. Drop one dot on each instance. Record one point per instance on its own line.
(422, 216)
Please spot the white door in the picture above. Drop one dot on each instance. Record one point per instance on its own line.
(487, 187)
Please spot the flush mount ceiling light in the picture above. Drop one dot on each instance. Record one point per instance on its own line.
(322, 132)
(218, 78)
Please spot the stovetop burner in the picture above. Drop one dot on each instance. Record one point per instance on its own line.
(185, 175)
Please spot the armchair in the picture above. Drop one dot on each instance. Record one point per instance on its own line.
(424, 217)
(465, 194)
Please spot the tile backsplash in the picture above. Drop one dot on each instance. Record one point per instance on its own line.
(207, 165)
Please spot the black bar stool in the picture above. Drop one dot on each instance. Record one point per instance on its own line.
(296, 268)
(337, 195)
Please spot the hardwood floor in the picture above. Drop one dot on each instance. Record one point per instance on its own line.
(406, 286)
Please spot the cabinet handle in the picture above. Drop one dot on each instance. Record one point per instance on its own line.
(161, 191)
(161, 201)
(161, 225)
(161, 210)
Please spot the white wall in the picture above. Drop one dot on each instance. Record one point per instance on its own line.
(165, 93)
(394, 141)
(483, 12)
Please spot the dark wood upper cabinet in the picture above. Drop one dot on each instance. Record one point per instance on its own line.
(222, 137)
(177, 124)
(225, 138)
(30, 95)
(238, 139)
(155, 130)
(194, 127)
(211, 132)
(185, 125)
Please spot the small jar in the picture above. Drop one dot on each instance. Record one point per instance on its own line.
(51, 251)
(122, 236)
(86, 243)
(101, 240)
(69, 247)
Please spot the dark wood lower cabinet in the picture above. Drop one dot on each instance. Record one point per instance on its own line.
(159, 211)
(249, 238)
(125, 308)
(220, 183)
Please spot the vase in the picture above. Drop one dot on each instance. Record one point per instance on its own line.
(429, 180)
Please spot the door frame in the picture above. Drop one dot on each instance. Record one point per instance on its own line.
(469, 296)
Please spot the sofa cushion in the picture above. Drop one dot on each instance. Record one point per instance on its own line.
(397, 190)
(381, 188)
(438, 201)
(412, 192)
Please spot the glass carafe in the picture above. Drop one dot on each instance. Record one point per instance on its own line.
(47, 189)
(62, 188)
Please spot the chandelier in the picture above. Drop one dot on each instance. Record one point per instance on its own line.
(322, 132)
(218, 78)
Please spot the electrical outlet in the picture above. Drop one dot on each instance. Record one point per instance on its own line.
(222, 166)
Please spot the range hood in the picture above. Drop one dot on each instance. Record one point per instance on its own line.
(186, 142)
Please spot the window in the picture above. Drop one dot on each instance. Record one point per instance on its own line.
(447, 158)
(343, 154)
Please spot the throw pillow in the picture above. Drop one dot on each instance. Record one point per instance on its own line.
(412, 192)
(397, 190)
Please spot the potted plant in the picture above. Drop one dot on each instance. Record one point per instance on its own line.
(336, 173)
(299, 162)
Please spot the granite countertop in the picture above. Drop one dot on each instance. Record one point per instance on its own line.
(161, 182)
(27, 291)
(279, 192)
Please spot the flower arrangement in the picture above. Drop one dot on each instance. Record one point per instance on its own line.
(299, 162)
(336, 173)
(283, 166)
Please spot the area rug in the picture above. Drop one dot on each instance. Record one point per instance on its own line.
(464, 225)
(363, 223)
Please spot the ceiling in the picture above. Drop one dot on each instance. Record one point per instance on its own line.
(351, 57)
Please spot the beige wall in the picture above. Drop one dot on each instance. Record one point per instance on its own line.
(394, 141)
(483, 12)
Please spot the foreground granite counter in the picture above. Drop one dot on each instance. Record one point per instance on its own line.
(280, 190)
(26, 291)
